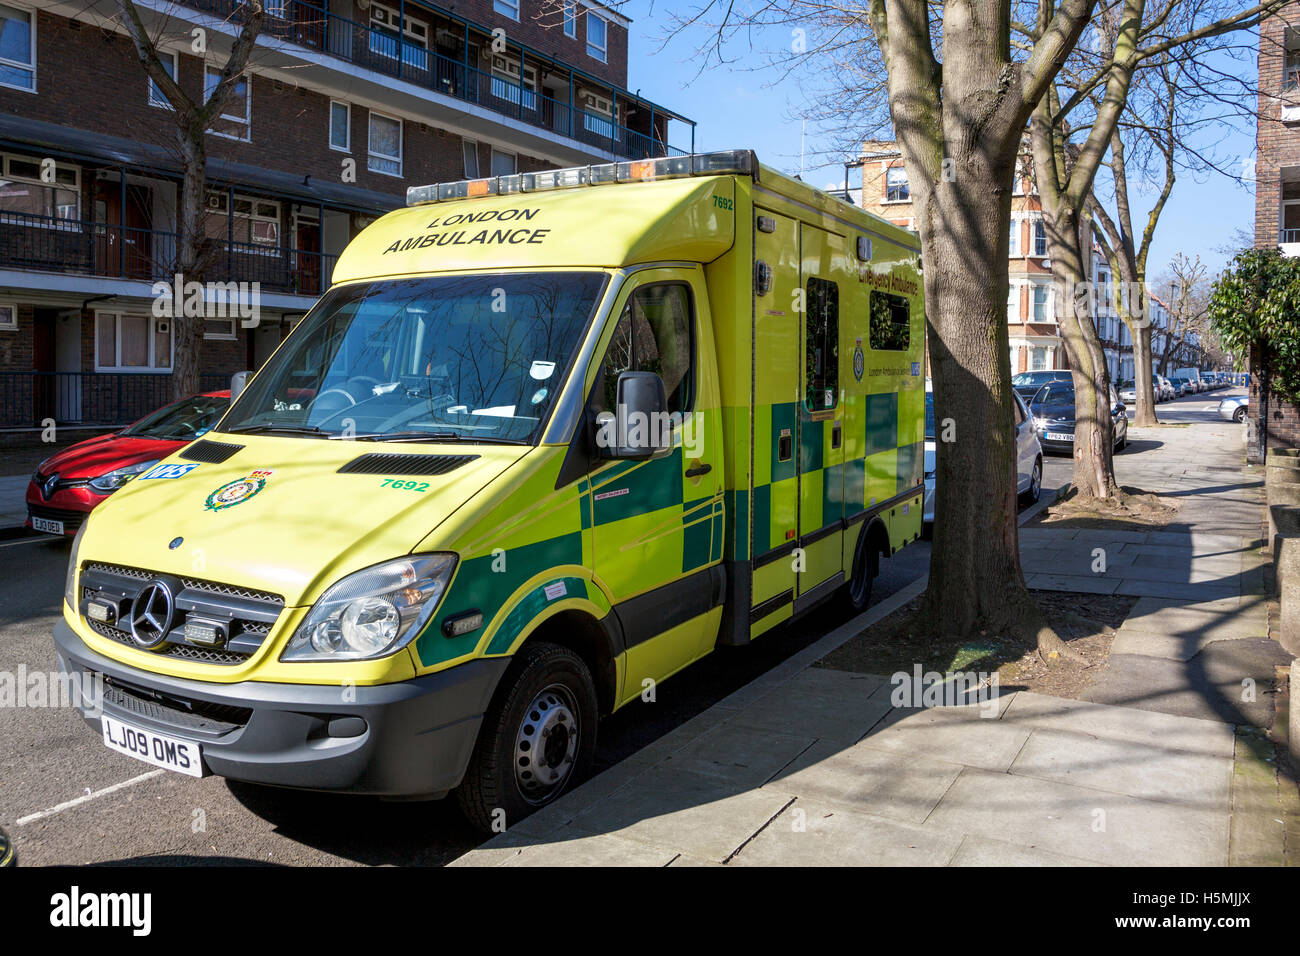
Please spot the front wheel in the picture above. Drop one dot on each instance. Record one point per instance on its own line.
(1035, 489)
(1239, 415)
(538, 737)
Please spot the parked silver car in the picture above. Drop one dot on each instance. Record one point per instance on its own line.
(1029, 455)
(1234, 408)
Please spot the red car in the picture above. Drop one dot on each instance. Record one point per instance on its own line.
(66, 486)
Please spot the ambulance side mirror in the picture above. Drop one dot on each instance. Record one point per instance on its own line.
(237, 383)
(640, 426)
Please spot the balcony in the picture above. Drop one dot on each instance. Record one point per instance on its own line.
(304, 25)
(107, 250)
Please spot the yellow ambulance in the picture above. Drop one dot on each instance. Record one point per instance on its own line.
(548, 439)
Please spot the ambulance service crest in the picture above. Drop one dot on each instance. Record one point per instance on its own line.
(859, 361)
(237, 491)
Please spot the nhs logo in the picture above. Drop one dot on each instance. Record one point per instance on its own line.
(174, 470)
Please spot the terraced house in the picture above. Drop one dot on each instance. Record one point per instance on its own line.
(344, 105)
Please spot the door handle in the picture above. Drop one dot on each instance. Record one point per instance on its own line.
(697, 470)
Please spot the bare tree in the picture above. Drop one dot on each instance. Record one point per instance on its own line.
(193, 118)
(1186, 285)
(1130, 35)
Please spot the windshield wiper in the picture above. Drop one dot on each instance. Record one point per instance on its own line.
(439, 437)
(261, 427)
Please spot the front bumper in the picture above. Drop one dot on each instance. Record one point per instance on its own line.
(407, 739)
(69, 505)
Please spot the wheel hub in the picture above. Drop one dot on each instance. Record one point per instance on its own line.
(546, 746)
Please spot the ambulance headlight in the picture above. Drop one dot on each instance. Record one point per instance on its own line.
(373, 612)
(70, 579)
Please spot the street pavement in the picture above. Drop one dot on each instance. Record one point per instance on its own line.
(1161, 765)
(64, 798)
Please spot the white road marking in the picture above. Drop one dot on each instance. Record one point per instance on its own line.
(10, 544)
(68, 805)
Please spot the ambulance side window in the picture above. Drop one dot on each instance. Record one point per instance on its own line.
(654, 334)
(822, 346)
(890, 322)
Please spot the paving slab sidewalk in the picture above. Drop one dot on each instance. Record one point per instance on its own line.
(13, 501)
(1159, 766)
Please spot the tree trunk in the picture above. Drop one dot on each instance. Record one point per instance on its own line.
(1144, 411)
(1094, 472)
(966, 292)
(188, 330)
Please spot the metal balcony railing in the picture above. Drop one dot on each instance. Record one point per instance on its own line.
(307, 25)
(28, 399)
(51, 244)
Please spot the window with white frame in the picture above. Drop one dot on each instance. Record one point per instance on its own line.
(507, 8)
(597, 38)
(220, 330)
(1037, 359)
(385, 149)
(503, 164)
(599, 112)
(1042, 302)
(389, 29)
(17, 48)
(1013, 242)
(469, 149)
(253, 222)
(8, 316)
(1013, 303)
(168, 62)
(1290, 61)
(570, 19)
(341, 126)
(1040, 238)
(25, 189)
(896, 186)
(132, 343)
(236, 118)
(513, 81)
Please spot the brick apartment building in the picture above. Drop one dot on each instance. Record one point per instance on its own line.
(1035, 335)
(345, 104)
(1277, 194)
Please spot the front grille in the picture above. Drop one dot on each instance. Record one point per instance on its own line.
(210, 452)
(71, 519)
(380, 463)
(226, 590)
(183, 652)
(182, 712)
(247, 615)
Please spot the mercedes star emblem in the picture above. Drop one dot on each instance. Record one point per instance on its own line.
(151, 615)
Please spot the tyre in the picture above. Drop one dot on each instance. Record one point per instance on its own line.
(1239, 415)
(1031, 494)
(856, 593)
(538, 737)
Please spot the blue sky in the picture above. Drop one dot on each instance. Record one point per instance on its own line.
(742, 104)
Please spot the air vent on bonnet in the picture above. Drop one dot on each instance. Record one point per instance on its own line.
(211, 452)
(379, 463)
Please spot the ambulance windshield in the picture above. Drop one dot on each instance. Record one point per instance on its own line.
(445, 358)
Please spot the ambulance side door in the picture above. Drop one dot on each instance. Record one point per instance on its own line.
(820, 565)
(775, 498)
(657, 525)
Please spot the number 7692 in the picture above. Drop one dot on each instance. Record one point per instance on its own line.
(404, 485)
